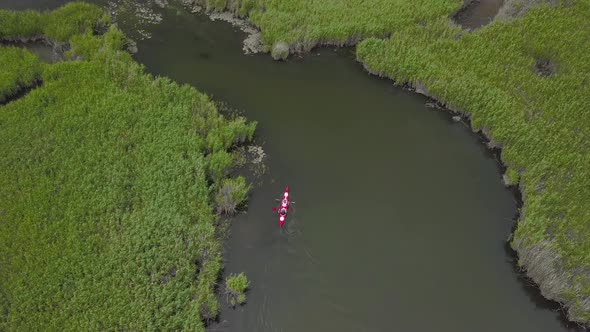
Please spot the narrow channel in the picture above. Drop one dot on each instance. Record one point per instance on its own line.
(401, 220)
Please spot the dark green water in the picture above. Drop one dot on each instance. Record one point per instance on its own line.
(478, 13)
(400, 222)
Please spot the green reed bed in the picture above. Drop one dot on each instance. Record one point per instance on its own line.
(107, 210)
(58, 25)
(303, 24)
(20, 69)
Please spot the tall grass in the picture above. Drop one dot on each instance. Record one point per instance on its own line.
(60, 24)
(303, 24)
(20, 69)
(106, 213)
(235, 288)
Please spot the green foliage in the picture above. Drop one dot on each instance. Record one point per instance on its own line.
(232, 192)
(26, 23)
(60, 24)
(216, 5)
(72, 19)
(280, 51)
(20, 69)
(303, 24)
(219, 164)
(542, 122)
(512, 176)
(236, 286)
(106, 220)
(89, 46)
(223, 133)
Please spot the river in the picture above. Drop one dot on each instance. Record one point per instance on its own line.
(400, 221)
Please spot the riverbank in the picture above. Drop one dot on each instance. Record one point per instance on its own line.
(496, 78)
(110, 180)
(515, 83)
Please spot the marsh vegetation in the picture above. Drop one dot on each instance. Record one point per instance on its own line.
(107, 185)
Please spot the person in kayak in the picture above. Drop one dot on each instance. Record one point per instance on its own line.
(283, 212)
(284, 203)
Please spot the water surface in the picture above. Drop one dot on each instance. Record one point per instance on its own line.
(478, 13)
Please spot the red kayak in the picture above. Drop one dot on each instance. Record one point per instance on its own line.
(284, 207)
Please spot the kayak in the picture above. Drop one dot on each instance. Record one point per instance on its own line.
(284, 207)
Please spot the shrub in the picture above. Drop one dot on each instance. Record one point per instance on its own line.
(512, 176)
(280, 51)
(219, 163)
(235, 288)
(231, 194)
